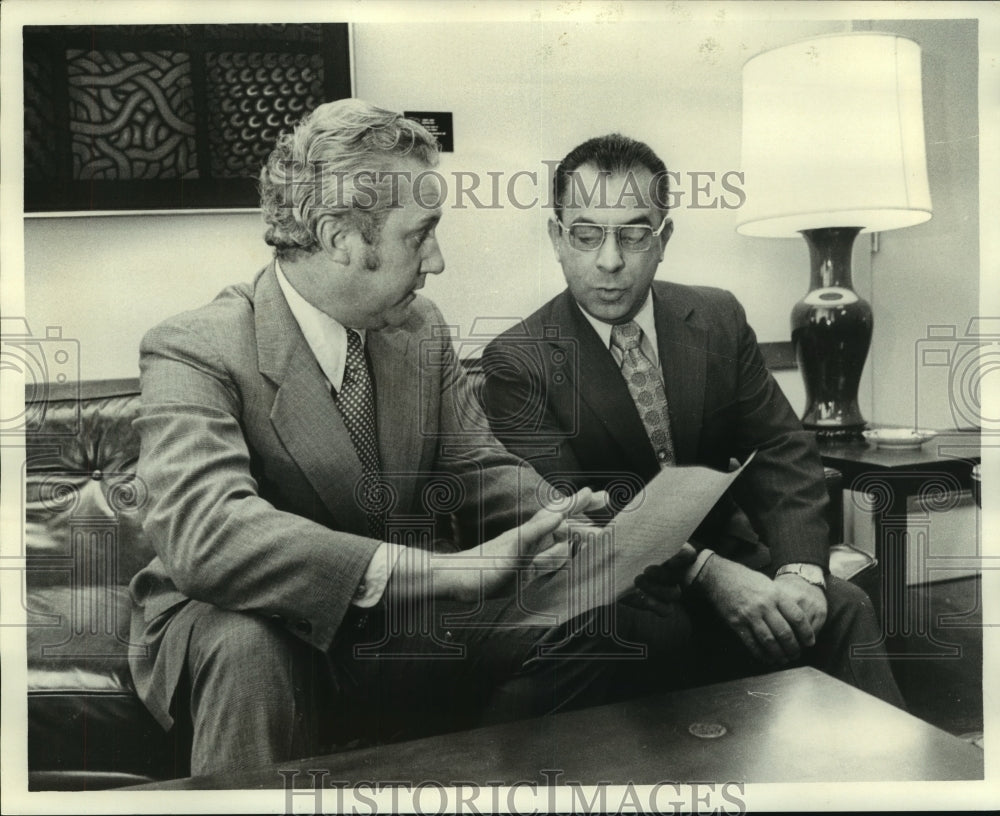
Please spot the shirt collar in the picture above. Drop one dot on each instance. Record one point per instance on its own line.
(646, 320)
(326, 337)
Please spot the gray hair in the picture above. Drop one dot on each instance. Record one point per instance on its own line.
(335, 161)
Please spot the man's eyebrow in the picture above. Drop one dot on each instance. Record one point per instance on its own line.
(428, 220)
(639, 219)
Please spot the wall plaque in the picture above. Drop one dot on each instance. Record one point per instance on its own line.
(167, 116)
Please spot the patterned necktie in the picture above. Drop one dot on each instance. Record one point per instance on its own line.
(646, 388)
(356, 402)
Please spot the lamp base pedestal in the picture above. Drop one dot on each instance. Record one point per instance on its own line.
(838, 436)
(831, 333)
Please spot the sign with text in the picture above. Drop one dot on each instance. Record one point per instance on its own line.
(438, 124)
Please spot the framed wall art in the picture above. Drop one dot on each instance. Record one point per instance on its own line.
(154, 117)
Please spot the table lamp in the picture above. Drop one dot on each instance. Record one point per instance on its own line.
(833, 146)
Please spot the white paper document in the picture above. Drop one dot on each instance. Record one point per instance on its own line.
(649, 530)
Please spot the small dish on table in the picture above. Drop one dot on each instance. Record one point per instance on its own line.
(899, 438)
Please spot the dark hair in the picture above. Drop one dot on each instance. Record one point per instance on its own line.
(616, 155)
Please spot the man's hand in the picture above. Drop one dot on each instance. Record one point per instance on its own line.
(567, 539)
(490, 568)
(810, 598)
(659, 585)
(585, 501)
(774, 619)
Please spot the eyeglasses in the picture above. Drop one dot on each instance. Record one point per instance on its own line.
(631, 237)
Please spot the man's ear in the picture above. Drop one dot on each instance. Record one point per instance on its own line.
(332, 233)
(555, 234)
(668, 230)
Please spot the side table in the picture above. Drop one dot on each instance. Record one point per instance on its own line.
(888, 477)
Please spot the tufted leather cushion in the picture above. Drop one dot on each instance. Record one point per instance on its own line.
(86, 726)
(83, 712)
(82, 493)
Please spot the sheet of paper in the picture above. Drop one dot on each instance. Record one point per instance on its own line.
(649, 530)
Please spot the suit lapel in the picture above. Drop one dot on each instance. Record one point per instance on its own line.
(304, 415)
(397, 390)
(682, 346)
(602, 389)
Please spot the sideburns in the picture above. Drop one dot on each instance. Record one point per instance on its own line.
(371, 261)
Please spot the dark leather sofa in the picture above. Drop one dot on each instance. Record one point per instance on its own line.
(87, 728)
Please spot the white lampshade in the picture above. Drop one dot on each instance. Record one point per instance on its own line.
(833, 136)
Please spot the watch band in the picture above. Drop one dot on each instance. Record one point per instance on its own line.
(803, 573)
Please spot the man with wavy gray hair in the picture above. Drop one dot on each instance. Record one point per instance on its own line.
(305, 443)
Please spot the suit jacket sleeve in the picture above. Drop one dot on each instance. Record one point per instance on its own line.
(500, 489)
(517, 399)
(783, 491)
(218, 540)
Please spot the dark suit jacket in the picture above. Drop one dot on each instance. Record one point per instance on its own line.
(555, 396)
(250, 471)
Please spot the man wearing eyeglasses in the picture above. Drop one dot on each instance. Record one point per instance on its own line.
(622, 375)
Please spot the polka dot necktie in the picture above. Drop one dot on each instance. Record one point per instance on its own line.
(356, 402)
(646, 388)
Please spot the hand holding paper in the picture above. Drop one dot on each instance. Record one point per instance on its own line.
(649, 530)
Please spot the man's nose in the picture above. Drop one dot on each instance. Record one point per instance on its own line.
(433, 262)
(609, 256)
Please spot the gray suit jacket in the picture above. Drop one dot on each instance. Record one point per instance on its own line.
(250, 470)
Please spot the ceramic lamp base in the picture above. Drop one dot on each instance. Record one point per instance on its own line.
(831, 334)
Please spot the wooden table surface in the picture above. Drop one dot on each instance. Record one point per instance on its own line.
(798, 725)
(949, 450)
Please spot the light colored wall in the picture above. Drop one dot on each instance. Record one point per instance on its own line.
(520, 93)
(942, 544)
(925, 276)
(928, 275)
(105, 281)
(523, 93)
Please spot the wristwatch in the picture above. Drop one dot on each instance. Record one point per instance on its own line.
(810, 573)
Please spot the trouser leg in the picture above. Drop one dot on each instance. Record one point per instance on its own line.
(689, 645)
(254, 692)
(851, 621)
(607, 654)
(415, 671)
(450, 665)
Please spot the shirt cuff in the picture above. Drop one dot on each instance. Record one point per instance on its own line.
(373, 584)
(696, 567)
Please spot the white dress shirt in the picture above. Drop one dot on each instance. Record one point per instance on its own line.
(327, 339)
(646, 322)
